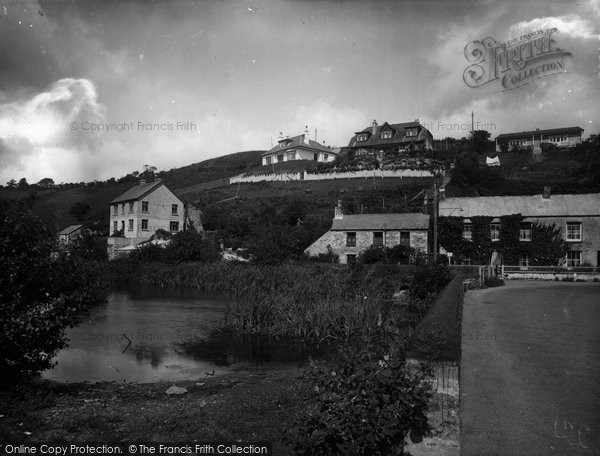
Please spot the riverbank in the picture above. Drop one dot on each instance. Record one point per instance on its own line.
(249, 407)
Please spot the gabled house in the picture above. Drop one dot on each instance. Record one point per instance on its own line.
(299, 147)
(386, 138)
(142, 210)
(578, 217)
(70, 233)
(351, 234)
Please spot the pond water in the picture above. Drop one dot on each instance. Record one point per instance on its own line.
(151, 335)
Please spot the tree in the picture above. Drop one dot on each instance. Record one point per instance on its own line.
(481, 142)
(79, 210)
(11, 184)
(23, 185)
(42, 292)
(46, 182)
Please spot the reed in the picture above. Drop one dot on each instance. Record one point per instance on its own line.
(302, 301)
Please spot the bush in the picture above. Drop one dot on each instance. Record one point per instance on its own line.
(394, 255)
(367, 403)
(429, 279)
(42, 292)
(493, 281)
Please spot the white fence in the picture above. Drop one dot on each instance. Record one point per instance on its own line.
(364, 174)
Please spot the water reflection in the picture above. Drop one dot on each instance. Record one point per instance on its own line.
(152, 335)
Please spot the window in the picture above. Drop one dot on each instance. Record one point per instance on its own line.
(495, 231)
(378, 238)
(573, 258)
(405, 238)
(173, 209)
(325, 157)
(574, 231)
(268, 160)
(468, 231)
(316, 157)
(279, 158)
(411, 132)
(174, 226)
(350, 259)
(524, 260)
(467, 260)
(144, 224)
(525, 232)
(387, 134)
(115, 209)
(144, 206)
(114, 226)
(290, 155)
(130, 228)
(123, 225)
(131, 208)
(361, 138)
(123, 209)
(351, 239)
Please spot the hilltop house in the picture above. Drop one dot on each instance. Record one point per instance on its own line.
(561, 137)
(352, 234)
(578, 216)
(299, 147)
(390, 138)
(142, 210)
(70, 233)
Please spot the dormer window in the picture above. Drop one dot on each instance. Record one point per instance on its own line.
(411, 132)
(362, 137)
(386, 134)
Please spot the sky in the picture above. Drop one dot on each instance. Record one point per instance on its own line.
(97, 89)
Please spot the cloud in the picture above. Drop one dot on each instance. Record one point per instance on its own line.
(571, 25)
(41, 125)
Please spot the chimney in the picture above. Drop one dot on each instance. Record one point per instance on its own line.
(306, 139)
(280, 137)
(338, 214)
(374, 126)
(546, 194)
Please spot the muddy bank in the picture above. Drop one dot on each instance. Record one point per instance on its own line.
(242, 407)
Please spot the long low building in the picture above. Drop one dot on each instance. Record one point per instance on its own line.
(352, 234)
(560, 137)
(578, 216)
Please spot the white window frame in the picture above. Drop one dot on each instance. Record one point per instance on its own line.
(524, 260)
(147, 205)
(145, 222)
(525, 232)
(568, 236)
(467, 234)
(495, 229)
(574, 262)
(130, 225)
(386, 134)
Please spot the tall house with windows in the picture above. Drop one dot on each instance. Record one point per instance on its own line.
(389, 138)
(139, 212)
(352, 234)
(578, 217)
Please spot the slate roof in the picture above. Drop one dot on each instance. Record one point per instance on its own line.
(530, 206)
(137, 192)
(405, 221)
(551, 131)
(398, 135)
(69, 230)
(297, 142)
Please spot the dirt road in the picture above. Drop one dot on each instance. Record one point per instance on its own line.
(530, 370)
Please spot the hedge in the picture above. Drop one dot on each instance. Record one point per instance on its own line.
(437, 337)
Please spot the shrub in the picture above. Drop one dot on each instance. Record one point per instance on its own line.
(493, 281)
(367, 403)
(429, 279)
(42, 292)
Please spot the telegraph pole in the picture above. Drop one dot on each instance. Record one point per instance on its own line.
(435, 213)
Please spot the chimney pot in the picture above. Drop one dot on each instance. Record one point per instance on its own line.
(338, 214)
(374, 126)
(306, 135)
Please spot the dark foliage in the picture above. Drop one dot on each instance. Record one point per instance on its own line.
(42, 292)
(428, 279)
(366, 403)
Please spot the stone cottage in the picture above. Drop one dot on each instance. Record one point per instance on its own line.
(351, 234)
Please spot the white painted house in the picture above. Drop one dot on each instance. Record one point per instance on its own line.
(299, 147)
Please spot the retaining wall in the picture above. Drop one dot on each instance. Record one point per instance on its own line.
(364, 174)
